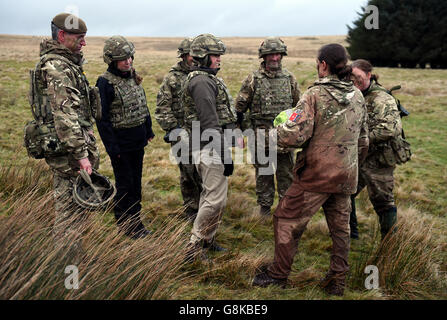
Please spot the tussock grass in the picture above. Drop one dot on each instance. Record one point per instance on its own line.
(111, 267)
(407, 260)
(18, 180)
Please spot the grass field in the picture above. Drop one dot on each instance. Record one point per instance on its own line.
(412, 264)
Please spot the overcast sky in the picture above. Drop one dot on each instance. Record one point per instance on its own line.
(166, 18)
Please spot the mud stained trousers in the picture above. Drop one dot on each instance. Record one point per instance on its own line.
(291, 218)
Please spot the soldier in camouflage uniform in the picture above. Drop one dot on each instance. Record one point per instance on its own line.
(385, 125)
(125, 129)
(62, 101)
(169, 114)
(265, 93)
(330, 123)
(207, 102)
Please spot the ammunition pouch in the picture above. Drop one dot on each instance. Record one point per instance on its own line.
(394, 151)
(95, 103)
(41, 141)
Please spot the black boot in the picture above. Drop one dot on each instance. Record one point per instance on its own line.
(387, 219)
(132, 227)
(195, 252)
(213, 246)
(264, 211)
(353, 220)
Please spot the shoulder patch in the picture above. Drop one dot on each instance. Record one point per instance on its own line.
(295, 116)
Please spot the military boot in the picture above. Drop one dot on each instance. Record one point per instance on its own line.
(388, 219)
(333, 283)
(264, 280)
(264, 210)
(195, 252)
(353, 220)
(213, 246)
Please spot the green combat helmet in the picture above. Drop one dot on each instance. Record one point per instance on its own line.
(92, 191)
(184, 47)
(206, 44)
(272, 45)
(117, 48)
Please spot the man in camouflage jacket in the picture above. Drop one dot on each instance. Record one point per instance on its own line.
(169, 114)
(329, 123)
(63, 89)
(263, 95)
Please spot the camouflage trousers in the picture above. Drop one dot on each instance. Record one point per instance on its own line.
(291, 218)
(213, 197)
(380, 183)
(70, 219)
(265, 184)
(190, 185)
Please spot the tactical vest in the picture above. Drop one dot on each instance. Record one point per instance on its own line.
(129, 107)
(176, 86)
(224, 102)
(271, 95)
(40, 137)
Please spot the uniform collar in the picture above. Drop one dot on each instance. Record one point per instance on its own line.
(48, 46)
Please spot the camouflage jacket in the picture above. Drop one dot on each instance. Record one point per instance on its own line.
(64, 84)
(169, 112)
(330, 124)
(266, 94)
(384, 121)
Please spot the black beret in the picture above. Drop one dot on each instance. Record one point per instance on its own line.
(69, 23)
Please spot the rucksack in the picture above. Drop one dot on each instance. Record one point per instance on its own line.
(398, 150)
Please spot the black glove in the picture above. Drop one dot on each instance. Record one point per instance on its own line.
(229, 168)
(166, 137)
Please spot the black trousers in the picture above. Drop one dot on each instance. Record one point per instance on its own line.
(128, 170)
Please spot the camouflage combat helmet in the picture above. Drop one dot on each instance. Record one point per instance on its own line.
(117, 48)
(272, 45)
(184, 47)
(206, 44)
(92, 191)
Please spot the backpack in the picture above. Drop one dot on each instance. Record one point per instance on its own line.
(398, 150)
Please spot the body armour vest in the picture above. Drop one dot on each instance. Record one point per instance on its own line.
(176, 85)
(224, 102)
(129, 107)
(271, 95)
(38, 96)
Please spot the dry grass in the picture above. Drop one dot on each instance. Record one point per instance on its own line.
(112, 267)
(408, 260)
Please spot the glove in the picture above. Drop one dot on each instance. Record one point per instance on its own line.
(166, 137)
(229, 168)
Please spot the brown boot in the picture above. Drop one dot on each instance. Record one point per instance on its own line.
(333, 283)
